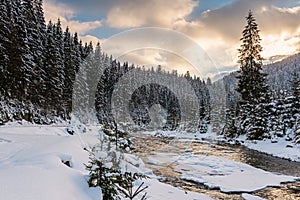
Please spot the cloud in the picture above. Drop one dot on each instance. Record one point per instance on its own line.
(134, 13)
(154, 57)
(219, 30)
(91, 38)
(54, 10)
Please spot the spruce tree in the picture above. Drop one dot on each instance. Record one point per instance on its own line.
(230, 129)
(295, 105)
(32, 37)
(295, 98)
(54, 74)
(4, 42)
(17, 52)
(69, 70)
(252, 84)
(39, 52)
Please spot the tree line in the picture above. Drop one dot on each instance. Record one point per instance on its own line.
(39, 63)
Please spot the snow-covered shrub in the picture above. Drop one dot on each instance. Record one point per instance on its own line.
(115, 172)
(102, 175)
(297, 136)
(75, 128)
(104, 172)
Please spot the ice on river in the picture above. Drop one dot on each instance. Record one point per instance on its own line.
(220, 173)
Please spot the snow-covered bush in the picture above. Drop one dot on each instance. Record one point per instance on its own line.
(105, 172)
(297, 136)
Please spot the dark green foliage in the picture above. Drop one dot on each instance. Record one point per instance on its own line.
(102, 176)
(125, 185)
(37, 63)
(295, 97)
(295, 105)
(111, 180)
(230, 129)
(252, 86)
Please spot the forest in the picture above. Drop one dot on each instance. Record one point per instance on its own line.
(40, 63)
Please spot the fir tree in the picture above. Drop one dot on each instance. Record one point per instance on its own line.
(295, 105)
(34, 51)
(4, 43)
(69, 70)
(54, 74)
(252, 83)
(230, 129)
(295, 98)
(39, 50)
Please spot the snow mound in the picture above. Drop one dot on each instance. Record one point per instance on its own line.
(44, 162)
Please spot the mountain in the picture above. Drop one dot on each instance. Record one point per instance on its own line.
(279, 75)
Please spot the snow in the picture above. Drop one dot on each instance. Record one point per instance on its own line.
(278, 147)
(31, 166)
(220, 173)
(228, 175)
(162, 158)
(160, 191)
(246, 196)
(281, 148)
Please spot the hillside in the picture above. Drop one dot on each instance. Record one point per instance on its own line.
(279, 75)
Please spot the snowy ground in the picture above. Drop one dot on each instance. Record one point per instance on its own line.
(282, 148)
(32, 168)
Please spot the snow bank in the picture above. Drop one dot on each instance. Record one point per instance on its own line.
(34, 159)
(281, 148)
(32, 165)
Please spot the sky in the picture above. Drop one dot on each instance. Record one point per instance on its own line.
(214, 25)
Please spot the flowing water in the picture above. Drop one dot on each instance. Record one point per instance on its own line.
(146, 146)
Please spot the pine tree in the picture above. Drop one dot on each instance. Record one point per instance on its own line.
(69, 70)
(4, 43)
(17, 51)
(77, 60)
(295, 105)
(252, 84)
(34, 51)
(39, 50)
(295, 98)
(230, 129)
(54, 74)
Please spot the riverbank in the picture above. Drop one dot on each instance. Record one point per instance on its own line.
(46, 162)
(279, 147)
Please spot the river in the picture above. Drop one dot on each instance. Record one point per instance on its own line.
(146, 145)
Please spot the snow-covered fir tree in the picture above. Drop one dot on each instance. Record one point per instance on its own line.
(252, 85)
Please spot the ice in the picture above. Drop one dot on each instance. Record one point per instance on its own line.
(228, 175)
(246, 196)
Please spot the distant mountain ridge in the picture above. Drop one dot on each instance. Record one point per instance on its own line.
(279, 75)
